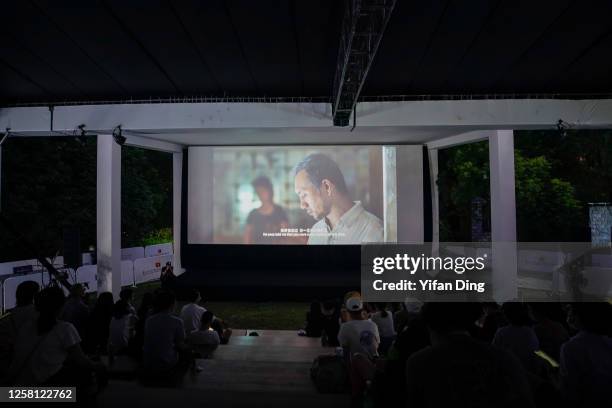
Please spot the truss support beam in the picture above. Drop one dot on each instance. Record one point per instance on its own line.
(363, 25)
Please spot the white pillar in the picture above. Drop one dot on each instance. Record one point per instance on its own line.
(435, 199)
(503, 215)
(177, 180)
(108, 211)
(0, 178)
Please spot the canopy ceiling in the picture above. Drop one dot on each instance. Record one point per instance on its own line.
(112, 50)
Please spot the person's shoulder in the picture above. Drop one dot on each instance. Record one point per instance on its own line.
(252, 214)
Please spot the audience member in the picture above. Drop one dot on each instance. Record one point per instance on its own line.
(167, 277)
(314, 320)
(76, 310)
(144, 311)
(24, 310)
(458, 370)
(384, 320)
(518, 337)
(359, 335)
(192, 312)
(330, 324)
(10, 324)
(99, 323)
(492, 319)
(164, 337)
(48, 350)
(121, 329)
(550, 333)
(126, 296)
(205, 340)
(586, 359)
(409, 310)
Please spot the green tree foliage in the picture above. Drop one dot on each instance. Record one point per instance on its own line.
(556, 177)
(49, 183)
(146, 196)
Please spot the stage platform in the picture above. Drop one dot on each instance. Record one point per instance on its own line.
(271, 370)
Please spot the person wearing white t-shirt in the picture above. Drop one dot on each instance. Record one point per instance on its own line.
(205, 340)
(192, 312)
(384, 322)
(45, 344)
(122, 327)
(359, 335)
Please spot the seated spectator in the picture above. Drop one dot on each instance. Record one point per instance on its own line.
(344, 313)
(360, 339)
(331, 323)
(551, 334)
(144, 311)
(458, 370)
(99, 324)
(409, 310)
(24, 310)
(48, 350)
(384, 321)
(121, 328)
(492, 319)
(586, 359)
(414, 337)
(359, 335)
(205, 340)
(167, 277)
(10, 324)
(164, 337)
(518, 337)
(192, 312)
(126, 296)
(76, 310)
(314, 320)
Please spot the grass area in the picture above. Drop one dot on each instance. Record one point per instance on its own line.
(264, 315)
(246, 315)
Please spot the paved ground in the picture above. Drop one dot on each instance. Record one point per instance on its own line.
(270, 370)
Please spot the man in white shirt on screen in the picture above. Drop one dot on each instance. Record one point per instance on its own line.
(322, 191)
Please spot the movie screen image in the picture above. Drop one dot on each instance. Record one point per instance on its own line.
(292, 195)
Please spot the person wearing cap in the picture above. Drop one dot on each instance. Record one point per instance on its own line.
(359, 334)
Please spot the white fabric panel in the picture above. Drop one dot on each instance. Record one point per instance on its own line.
(6, 268)
(132, 253)
(86, 275)
(149, 269)
(127, 272)
(158, 250)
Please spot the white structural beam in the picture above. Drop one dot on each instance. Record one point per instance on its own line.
(459, 139)
(108, 213)
(503, 215)
(177, 180)
(152, 144)
(163, 119)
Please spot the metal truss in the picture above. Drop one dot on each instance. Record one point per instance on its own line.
(363, 25)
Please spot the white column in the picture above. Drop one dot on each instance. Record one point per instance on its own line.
(435, 200)
(108, 211)
(177, 180)
(0, 178)
(503, 215)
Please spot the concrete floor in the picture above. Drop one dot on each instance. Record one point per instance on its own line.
(271, 370)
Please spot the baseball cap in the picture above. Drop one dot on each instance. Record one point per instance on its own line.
(354, 304)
